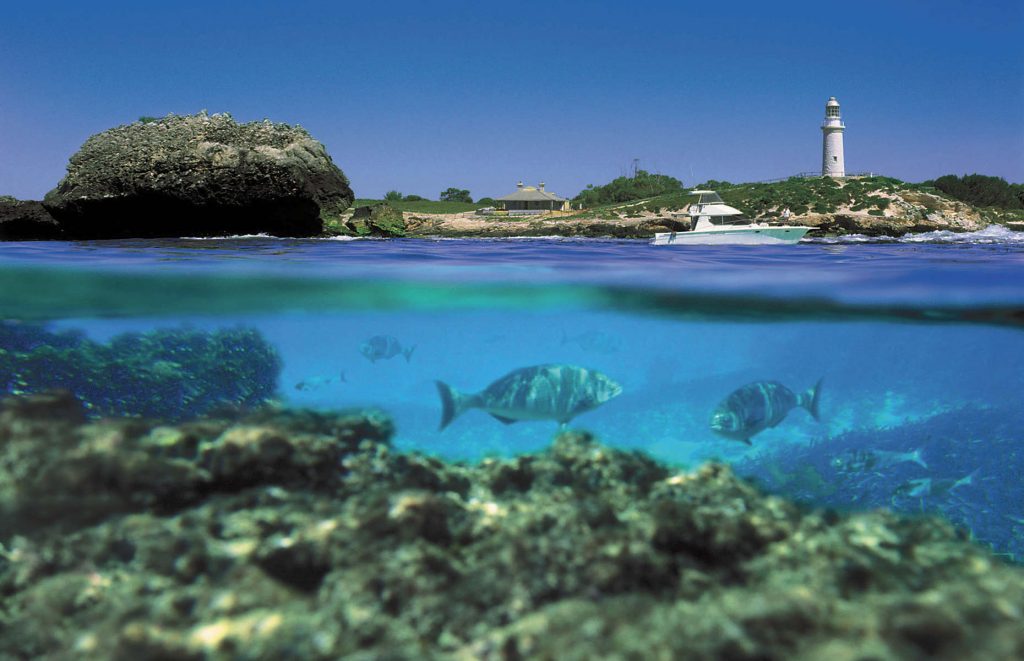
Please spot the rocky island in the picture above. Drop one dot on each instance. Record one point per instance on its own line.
(208, 175)
(873, 206)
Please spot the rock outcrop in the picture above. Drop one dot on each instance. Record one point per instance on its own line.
(26, 221)
(377, 220)
(198, 175)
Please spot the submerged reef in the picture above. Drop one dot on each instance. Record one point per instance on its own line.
(964, 464)
(294, 534)
(170, 374)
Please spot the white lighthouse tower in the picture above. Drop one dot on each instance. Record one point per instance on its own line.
(832, 163)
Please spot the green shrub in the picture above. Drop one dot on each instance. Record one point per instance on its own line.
(456, 195)
(627, 189)
(983, 191)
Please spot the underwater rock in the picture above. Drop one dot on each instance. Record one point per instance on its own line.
(576, 552)
(198, 175)
(58, 471)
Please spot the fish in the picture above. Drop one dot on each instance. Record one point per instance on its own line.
(926, 486)
(381, 347)
(314, 382)
(757, 406)
(594, 341)
(542, 392)
(860, 461)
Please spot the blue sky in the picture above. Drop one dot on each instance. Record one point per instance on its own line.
(420, 96)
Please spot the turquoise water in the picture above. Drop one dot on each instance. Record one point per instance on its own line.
(919, 345)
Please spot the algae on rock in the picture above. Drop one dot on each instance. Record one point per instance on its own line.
(381, 220)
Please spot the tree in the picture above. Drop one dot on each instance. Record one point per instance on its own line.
(456, 195)
(486, 202)
(627, 189)
(981, 190)
(393, 196)
(414, 198)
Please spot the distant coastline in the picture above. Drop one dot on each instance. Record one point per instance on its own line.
(872, 206)
(208, 175)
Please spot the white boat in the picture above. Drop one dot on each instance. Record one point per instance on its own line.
(716, 223)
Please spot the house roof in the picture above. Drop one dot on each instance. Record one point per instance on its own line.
(531, 194)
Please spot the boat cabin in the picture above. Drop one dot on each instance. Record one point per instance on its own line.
(710, 210)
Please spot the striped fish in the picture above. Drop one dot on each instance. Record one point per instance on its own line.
(757, 406)
(543, 392)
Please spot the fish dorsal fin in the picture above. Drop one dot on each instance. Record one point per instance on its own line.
(502, 419)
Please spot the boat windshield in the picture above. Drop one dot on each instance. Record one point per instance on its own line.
(709, 198)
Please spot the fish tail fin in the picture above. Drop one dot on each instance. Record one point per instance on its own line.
(965, 480)
(408, 353)
(453, 403)
(916, 457)
(811, 400)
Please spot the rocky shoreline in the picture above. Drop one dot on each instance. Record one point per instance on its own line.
(29, 221)
(294, 534)
(425, 226)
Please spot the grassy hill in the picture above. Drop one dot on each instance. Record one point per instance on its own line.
(423, 206)
(882, 197)
(871, 195)
(876, 206)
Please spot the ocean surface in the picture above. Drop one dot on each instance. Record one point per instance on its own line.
(918, 344)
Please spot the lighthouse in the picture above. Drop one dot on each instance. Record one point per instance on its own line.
(832, 164)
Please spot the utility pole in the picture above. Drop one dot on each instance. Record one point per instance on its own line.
(636, 166)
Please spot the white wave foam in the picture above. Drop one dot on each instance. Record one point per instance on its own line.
(229, 236)
(993, 234)
(848, 239)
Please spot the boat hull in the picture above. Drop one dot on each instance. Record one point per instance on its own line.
(739, 236)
